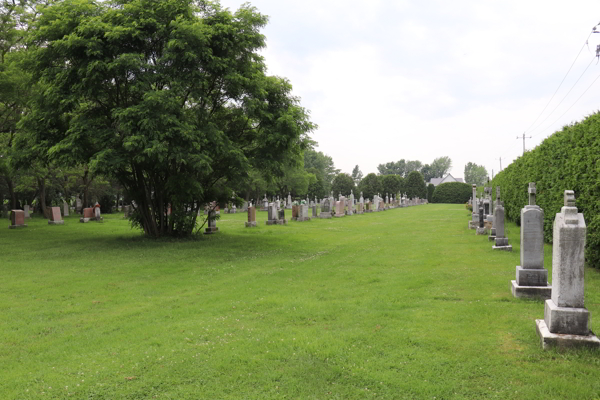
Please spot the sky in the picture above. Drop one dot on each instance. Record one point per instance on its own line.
(388, 80)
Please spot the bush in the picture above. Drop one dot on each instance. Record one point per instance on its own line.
(567, 160)
(415, 186)
(430, 190)
(452, 193)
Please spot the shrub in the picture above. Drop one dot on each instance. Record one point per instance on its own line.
(430, 190)
(567, 160)
(452, 192)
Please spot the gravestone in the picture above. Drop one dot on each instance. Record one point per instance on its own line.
(17, 219)
(88, 215)
(212, 223)
(245, 206)
(350, 210)
(55, 217)
(493, 230)
(314, 210)
(99, 218)
(294, 213)
(26, 211)
(481, 228)
(126, 211)
(361, 199)
(282, 220)
(303, 213)
(376, 200)
(265, 204)
(251, 217)
(340, 206)
(326, 209)
(65, 209)
(233, 209)
(360, 208)
(78, 205)
(532, 277)
(289, 200)
(501, 239)
(565, 320)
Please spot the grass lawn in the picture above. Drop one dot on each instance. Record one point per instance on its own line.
(406, 303)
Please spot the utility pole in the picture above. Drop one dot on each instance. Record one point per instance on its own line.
(500, 163)
(524, 137)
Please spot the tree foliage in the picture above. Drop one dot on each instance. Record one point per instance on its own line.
(322, 165)
(415, 185)
(452, 193)
(168, 97)
(392, 168)
(567, 160)
(475, 174)
(392, 184)
(370, 186)
(357, 175)
(440, 167)
(430, 190)
(342, 183)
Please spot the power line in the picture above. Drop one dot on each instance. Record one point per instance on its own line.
(565, 96)
(524, 137)
(575, 102)
(562, 81)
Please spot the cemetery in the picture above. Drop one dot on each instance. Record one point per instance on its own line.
(172, 231)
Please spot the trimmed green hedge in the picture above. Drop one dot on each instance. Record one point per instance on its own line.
(567, 160)
(452, 192)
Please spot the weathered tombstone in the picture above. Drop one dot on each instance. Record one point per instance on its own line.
(326, 209)
(303, 213)
(55, 217)
(360, 208)
(126, 211)
(532, 277)
(78, 205)
(212, 223)
(294, 213)
(251, 217)
(265, 204)
(361, 199)
(88, 215)
(272, 214)
(26, 211)
(340, 205)
(376, 201)
(65, 209)
(245, 206)
(481, 228)
(289, 200)
(493, 229)
(565, 320)
(474, 223)
(17, 219)
(350, 210)
(314, 210)
(501, 239)
(282, 220)
(234, 209)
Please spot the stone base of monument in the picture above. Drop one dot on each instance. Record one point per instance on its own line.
(277, 222)
(502, 244)
(566, 320)
(303, 219)
(250, 224)
(492, 237)
(559, 340)
(488, 225)
(482, 231)
(56, 222)
(530, 292)
(349, 212)
(340, 215)
(84, 220)
(473, 224)
(17, 226)
(209, 231)
(325, 215)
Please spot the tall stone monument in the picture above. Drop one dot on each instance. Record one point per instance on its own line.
(565, 320)
(501, 239)
(212, 223)
(326, 209)
(481, 230)
(65, 209)
(532, 277)
(289, 201)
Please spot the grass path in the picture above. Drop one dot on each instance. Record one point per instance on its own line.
(406, 303)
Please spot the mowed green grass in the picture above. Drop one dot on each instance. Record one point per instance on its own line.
(406, 303)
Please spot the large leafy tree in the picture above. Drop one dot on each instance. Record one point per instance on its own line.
(392, 184)
(171, 98)
(475, 174)
(392, 168)
(370, 186)
(357, 175)
(415, 185)
(342, 183)
(440, 167)
(322, 166)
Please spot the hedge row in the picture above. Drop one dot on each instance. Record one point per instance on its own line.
(452, 192)
(567, 160)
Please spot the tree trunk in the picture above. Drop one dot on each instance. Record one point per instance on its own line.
(42, 197)
(11, 193)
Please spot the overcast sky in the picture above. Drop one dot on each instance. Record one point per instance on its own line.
(387, 80)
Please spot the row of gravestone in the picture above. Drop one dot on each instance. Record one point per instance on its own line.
(566, 320)
(18, 217)
(329, 208)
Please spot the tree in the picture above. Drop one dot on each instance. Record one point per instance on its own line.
(415, 186)
(475, 174)
(411, 166)
(342, 183)
(168, 97)
(430, 190)
(392, 168)
(357, 175)
(452, 192)
(391, 184)
(427, 172)
(440, 167)
(323, 164)
(369, 186)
